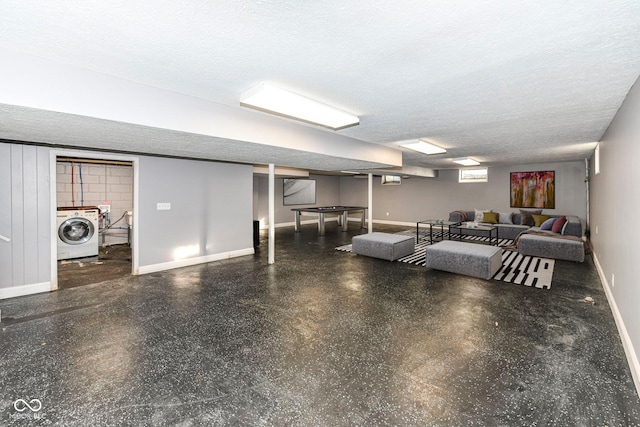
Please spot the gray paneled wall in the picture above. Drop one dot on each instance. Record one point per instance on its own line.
(211, 211)
(25, 215)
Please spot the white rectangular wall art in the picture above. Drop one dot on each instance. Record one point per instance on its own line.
(299, 192)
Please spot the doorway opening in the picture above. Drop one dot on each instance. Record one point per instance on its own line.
(94, 219)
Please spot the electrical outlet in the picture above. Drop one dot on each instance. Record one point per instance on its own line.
(163, 206)
(596, 229)
(387, 213)
(613, 280)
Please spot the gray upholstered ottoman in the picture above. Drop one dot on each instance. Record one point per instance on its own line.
(383, 245)
(551, 247)
(471, 259)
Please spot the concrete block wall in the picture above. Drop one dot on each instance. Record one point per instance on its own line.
(102, 184)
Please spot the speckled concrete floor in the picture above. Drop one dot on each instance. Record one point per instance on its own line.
(113, 262)
(321, 338)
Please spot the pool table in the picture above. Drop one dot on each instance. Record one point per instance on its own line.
(342, 211)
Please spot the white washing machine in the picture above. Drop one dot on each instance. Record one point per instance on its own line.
(77, 232)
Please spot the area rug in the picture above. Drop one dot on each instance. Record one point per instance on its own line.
(516, 268)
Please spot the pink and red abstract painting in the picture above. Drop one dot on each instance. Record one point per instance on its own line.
(533, 189)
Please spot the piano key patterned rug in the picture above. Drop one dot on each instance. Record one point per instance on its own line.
(519, 269)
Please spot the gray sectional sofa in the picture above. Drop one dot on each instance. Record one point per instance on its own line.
(510, 231)
(566, 245)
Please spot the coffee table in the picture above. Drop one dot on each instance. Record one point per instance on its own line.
(487, 230)
(434, 223)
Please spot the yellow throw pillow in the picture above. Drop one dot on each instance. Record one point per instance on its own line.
(490, 217)
(539, 219)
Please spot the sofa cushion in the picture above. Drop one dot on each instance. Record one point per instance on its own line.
(526, 218)
(548, 224)
(539, 219)
(479, 214)
(550, 247)
(557, 226)
(505, 218)
(490, 217)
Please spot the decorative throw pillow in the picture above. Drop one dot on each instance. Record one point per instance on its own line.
(462, 215)
(526, 218)
(558, 224)
(479, 214)
(539, 219)
(490, 217)
(548, 224)
(505, 217)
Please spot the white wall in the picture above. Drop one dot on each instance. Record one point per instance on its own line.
(425, 198)
(615, 203)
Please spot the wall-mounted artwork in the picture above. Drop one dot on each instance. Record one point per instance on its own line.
(533, 189)
(299, 191)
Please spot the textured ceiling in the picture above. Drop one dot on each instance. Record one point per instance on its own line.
(501, 81)
(71, 131)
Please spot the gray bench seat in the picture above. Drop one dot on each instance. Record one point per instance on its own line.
(470, 259)
(551, 247)
(383, 245)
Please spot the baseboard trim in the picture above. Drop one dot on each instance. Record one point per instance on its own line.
(19, 291)
(627, 344)
(146, 269)
(351, 219)
(302, 222)
(387, 222)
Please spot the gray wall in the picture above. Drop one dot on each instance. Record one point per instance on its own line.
(615, 203)
(327, 194)
(25, 215)
(424, 198)
(211, 209)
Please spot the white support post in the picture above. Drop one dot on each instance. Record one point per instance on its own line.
(370, 205)
(272, 213)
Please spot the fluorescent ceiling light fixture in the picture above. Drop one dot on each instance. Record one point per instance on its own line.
(466, 162)
(391, 180)
(271, 99)
(422, 146)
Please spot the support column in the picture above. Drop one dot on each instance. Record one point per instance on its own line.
(370, 204)
(272, 213)
(297, 221)
(320, 223)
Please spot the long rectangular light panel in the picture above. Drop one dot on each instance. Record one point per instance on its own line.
(271, 99)
(422, 146)
(466, 162)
